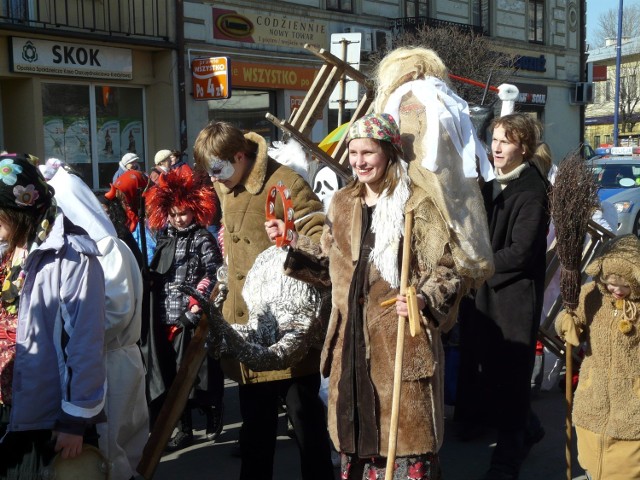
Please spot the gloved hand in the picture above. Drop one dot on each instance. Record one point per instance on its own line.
(568, 328)
(189, 319)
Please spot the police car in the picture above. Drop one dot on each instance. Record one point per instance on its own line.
(617, 173)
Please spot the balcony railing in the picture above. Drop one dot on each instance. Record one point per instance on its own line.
(412, 24)
(126, 20)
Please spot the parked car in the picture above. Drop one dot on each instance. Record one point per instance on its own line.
(618, 177)
(588, 152)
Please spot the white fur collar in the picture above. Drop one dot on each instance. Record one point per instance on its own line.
(388, 226)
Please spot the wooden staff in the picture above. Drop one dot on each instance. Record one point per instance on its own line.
(397, 374)
(176, 400)
(568, 381)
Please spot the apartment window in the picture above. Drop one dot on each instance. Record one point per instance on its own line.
(416, 8)
(607, 91)
(90, 127)
(596, 141)
(340, 5)
(480, 14)
(536, 21)
(15, 9)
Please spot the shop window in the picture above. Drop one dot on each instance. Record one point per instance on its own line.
(90, 127)
(246, 109)
(340, 5)
(416, 8)
(536, 21)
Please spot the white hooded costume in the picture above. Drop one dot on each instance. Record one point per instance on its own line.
(124, 435)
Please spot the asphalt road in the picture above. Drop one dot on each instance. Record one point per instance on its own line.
(460, 461)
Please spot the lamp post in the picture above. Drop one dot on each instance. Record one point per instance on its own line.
(616, 101)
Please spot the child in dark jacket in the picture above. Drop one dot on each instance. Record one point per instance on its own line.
(179, 208)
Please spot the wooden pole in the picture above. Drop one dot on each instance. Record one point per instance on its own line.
(176, 400)
(569, 398)
(397, 374)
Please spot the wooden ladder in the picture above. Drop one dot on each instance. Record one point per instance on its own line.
(303, 119)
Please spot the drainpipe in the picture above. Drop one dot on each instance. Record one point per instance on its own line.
(182, 107)
(583, 62)
(616, 102)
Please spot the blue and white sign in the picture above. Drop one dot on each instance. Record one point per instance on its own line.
(30, 55)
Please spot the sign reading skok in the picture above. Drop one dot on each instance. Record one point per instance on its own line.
(75, 55)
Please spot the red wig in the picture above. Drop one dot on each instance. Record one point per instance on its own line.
(183, 189)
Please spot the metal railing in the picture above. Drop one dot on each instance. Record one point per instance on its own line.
(148, 20)
(412, 24)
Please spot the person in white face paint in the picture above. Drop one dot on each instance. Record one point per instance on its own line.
(243, 174)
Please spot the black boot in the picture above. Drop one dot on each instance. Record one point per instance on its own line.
(184, 437)
(214, 421)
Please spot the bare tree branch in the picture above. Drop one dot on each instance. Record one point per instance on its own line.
(465, 54)
(608, 24)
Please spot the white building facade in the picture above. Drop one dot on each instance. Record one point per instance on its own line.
(270, 71)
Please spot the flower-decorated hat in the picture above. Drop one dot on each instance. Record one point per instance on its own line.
(378, 126)
(22, 186)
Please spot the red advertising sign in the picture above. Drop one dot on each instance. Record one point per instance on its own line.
(211, 79)
(599, 73)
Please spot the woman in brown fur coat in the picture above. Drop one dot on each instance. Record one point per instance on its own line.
(362, 243)
(606, 410)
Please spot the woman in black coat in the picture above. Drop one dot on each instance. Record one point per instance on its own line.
(499, 331)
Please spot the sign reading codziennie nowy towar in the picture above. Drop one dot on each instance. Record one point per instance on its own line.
(268, 28)
(29, 55)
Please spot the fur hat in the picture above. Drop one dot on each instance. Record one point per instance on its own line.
(182, 189)
(161, 156)
(620, 257)
(128, 158)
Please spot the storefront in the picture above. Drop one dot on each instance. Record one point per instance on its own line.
(269, 70)
(255, 89)
(86, 104)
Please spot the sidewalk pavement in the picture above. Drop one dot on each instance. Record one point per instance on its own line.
(460, 461)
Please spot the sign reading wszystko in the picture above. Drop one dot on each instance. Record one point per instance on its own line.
(44, 57)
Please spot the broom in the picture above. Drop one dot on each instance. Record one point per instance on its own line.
(573, 199)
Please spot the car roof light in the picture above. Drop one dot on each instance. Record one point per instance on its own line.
(625, 151)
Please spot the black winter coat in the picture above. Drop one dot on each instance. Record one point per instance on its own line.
(518, 223)
(498, 335)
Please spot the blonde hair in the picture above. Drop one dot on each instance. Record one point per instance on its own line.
(542, 159)
(222, 140)
(403, 65)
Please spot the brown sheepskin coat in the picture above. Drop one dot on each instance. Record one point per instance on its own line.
(243, 217)
(421, 411)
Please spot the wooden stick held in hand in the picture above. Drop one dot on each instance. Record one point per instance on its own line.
(397, 374)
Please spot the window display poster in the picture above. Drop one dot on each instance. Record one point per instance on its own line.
(53, 137)
(131, 138)
(77, 140)
(108, 140)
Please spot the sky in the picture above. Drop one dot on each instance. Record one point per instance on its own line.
(596, 7)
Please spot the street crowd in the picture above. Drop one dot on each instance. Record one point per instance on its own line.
(101, 297)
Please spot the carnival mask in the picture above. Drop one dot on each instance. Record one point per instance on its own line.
(220, 169)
